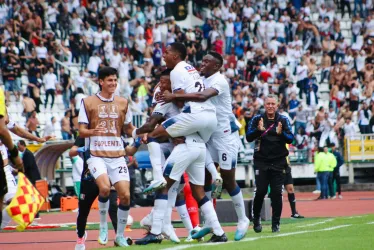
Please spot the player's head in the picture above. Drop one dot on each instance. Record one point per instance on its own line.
(271, 104)
(108, 79)
(211, 64)
(165, 83)
(174, 53)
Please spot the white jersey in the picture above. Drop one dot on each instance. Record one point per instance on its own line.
(166, 110)
(222, 101)
(185, 77)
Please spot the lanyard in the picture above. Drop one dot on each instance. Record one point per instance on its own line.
(266, 131)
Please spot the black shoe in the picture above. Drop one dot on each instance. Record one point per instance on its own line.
(216, 238)
(149, 239)
(257, 227)
(297, 216)
(275, 228)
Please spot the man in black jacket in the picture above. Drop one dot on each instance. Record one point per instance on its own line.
(271, 132)
(31, 169)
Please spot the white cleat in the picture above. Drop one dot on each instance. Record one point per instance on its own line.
(241, 230)
(169, 232)
(103, 236)
(155, 185)
(80, 245)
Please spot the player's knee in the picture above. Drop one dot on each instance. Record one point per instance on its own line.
(124, 198)
(290, 189)
(104, 191)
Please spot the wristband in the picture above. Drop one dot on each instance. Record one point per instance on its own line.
(80, 150)
(133, 134)
(137, 142)
(13, 152)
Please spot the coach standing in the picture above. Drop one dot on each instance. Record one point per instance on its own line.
(270, 131)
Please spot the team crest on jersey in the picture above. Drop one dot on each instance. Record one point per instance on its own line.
(103, 112)
(112, 126)
(113, 111)
(190, 68)
(103, 124)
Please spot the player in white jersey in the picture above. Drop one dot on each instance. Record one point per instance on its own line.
(189, 155)
(222, 145)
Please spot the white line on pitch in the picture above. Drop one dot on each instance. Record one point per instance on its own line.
(317, 223)
(257, 238)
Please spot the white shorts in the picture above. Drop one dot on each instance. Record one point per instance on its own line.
(115, 168)
(224, 150)
(204, 123)
(11, 183)
(187, 158)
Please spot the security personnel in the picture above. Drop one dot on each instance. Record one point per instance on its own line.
(271, 132)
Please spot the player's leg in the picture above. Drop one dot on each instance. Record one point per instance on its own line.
(227, 158)
(119, 176)
(156, 157)
(288, 184)
(214, 189)
(12, 189)
(113, 208)
(276, 185)
(262, 183)
(99, 171)
(196, 172)
(88, 193)
(176, 165)
(168, 229)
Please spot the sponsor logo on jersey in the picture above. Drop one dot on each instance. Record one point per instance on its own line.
(190, 69)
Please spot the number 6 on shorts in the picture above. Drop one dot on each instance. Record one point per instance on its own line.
(225, 160)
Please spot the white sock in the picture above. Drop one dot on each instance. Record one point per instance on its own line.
(155, 153)
(6, 219)
(103, 211)
(122, 215)
(184, 215)
(211, 218)
(238, 201)
(208, 194)
(158, 214)
(172, 194)
(209, 164)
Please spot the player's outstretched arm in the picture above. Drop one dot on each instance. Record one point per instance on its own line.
(193, 97)
(150, 125)
(21, 132)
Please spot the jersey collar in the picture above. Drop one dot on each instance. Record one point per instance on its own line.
(104, 99)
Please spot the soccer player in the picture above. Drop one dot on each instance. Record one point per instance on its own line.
(222, 146)
(102, 119)
(89, 191)
(189, 154)
(288, 184)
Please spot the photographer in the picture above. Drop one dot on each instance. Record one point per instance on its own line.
(271, 132)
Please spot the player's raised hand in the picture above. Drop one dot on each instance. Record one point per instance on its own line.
(279, 128)
(166, 97)
(260, 125)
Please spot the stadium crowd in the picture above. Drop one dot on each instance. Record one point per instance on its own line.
(280, 47)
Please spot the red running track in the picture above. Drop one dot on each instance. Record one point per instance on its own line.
(353, 203)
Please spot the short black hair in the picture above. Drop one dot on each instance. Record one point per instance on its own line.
(166, 72)
(180, 48)
(217, 56)
(22, 142)
(106, 71)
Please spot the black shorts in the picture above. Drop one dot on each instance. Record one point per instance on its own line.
(288, 178)
(3, 182)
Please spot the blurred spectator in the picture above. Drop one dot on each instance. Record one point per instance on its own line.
(28, 105)
(65, 126)
(50, 82)
(49, 129)
(29, 163)
(32, 124)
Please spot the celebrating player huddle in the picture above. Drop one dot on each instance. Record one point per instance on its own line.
(193, 114)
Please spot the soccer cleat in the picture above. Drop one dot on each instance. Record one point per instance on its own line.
(80, 242)
(257, 227)
(146, 223)
(297, 216)
(155, 185)
(193, 231)
(241, 231)
(198, 234)
(121, 241)
(149, 239)
(340, 196)
(216, 238)
(275, 228)
(169, 232)
(316, 192)
(103, 236)
(217, 187)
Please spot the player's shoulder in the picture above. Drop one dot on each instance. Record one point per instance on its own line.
(120, 99)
